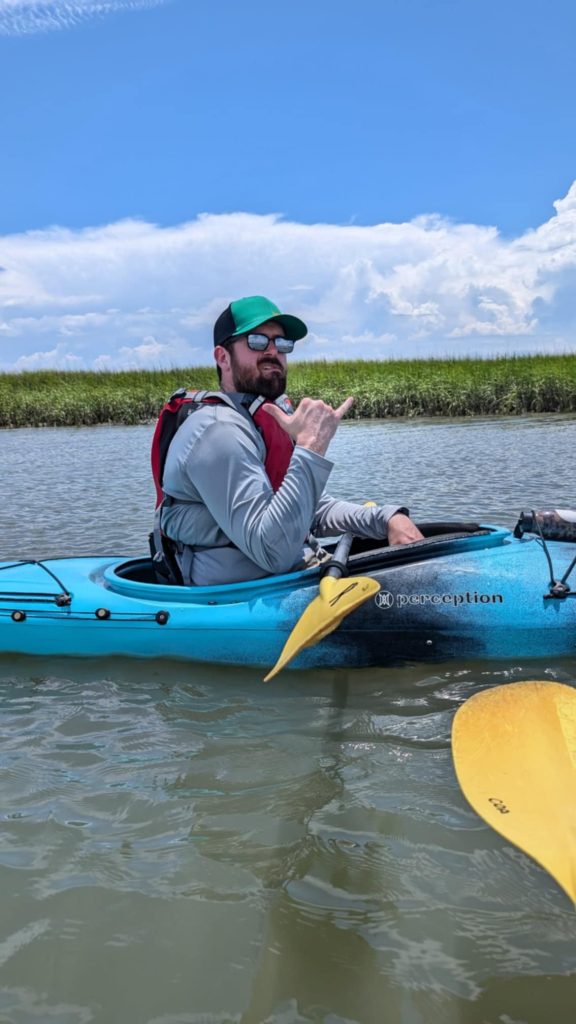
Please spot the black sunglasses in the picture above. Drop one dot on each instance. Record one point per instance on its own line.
(260, 342)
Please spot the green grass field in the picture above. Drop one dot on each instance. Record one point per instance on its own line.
(466, 387)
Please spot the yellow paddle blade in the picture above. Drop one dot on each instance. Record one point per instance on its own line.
(514, 751)
(336, 599)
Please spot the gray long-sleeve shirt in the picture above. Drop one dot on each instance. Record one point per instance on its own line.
(228, 513)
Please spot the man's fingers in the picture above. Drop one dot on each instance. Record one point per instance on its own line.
(401, 530)
(343, 409)
(312, 424)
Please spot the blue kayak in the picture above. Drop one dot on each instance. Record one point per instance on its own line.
(465, 591)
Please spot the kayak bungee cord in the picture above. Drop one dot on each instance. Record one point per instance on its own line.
(61, 600)
(64, 600)
(568, 571)
(101, 614)
(558, 588)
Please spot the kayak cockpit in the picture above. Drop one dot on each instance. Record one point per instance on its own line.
(136, 577)
(440, 539)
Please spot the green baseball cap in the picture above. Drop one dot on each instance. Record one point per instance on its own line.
(244, 315)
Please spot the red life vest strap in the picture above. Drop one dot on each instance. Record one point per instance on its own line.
(279, 445)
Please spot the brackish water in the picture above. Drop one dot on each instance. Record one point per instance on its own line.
(181, 844)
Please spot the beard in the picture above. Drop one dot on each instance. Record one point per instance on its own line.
(253, 382)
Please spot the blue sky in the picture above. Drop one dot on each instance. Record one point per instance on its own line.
(386, 169)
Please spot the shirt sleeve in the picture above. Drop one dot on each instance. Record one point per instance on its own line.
(227, 471)
(334, 517)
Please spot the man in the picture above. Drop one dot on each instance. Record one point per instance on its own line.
(246, 490)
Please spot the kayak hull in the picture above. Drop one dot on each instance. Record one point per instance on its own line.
(482, 594)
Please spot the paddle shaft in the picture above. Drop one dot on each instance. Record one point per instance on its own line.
(336, 567)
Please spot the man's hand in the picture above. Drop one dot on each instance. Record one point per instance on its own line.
(312, 424)
(401, 530)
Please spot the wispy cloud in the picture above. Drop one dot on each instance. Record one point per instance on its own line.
(133, 294)
(21, 17)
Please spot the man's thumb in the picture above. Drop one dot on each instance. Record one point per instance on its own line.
(284, 421)
(276, 413)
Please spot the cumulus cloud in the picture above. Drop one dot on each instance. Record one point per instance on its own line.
(132, 294)
(21, 17)
(56, 358)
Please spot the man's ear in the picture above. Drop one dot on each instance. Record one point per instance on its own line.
(222, 357)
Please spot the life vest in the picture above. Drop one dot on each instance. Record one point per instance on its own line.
(180, 405)
(279, 445)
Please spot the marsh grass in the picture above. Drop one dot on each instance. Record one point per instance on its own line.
(451, 387)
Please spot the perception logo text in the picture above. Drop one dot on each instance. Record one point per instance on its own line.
(384, 599)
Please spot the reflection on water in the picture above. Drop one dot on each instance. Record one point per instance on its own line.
(184, 844)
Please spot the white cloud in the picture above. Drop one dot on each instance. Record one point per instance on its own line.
(134, 294)
(57, 358)
(21, 17)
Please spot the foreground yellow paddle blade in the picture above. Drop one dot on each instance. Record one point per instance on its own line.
(514, 752)
(336, 599)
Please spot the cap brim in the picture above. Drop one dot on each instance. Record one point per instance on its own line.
(292, 326)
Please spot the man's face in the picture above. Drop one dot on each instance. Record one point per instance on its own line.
(258, 373)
